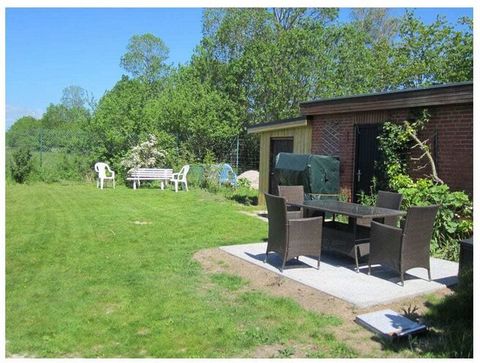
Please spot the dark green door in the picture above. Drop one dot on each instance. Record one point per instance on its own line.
(277, 145)
(368, 160)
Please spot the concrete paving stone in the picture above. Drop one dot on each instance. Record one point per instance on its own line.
(337, 276)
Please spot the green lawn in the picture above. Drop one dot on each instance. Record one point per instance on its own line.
(110, 273)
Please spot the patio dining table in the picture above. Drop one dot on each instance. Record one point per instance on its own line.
(349, 239)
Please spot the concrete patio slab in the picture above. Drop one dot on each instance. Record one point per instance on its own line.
(337, 276)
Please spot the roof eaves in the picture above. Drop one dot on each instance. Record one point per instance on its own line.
(279, 124)
(387, 93)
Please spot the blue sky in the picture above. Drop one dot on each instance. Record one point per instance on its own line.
(50, 49)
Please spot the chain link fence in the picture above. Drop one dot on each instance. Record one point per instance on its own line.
(69, 154)
(242, 154)
(56, 154)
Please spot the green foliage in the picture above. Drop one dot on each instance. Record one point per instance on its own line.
(179, 155)
(65, 118)
(453, 318)
(58, 167)
(242, 193)
(252, 65)
(209, 179)
(60, 128)
(75, 97)
(367, 199)
(145, 57)
(200, 117)
(24, 133)
(119, 122)
(376, 22)
(394, 142)
(195, 175)
(21, 165)
(268, 61)
(432, 53)
(51, 167)
(454, 219)
(206, 176)
(286, 352)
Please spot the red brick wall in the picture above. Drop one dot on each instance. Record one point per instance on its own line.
(452, 124)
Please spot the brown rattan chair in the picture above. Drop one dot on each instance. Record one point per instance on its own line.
(294, 194)
(403, 249)
(388, 200)
(291, 237)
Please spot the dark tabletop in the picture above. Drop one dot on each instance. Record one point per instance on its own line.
(348, 209)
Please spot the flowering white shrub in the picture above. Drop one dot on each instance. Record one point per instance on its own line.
(145, 155)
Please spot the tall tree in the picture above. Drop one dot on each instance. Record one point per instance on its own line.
(378, 23)
(24, 132)
(288, 18)
(200, 117)
(433, 53)
(145, 57)
(77, 97)
(270, 60)
(256, 65)
(119, 121)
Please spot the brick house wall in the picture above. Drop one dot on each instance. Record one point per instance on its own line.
(450, 125)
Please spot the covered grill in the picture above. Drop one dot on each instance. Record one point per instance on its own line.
(319, 174)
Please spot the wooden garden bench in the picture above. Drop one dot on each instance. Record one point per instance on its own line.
(136, 175)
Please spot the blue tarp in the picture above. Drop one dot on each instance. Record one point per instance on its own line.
(227, 175)
(223, 173)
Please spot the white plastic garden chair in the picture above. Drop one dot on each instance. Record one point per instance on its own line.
(181, 177)
(101, 169)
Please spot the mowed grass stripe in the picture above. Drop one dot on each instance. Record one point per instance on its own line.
(110, 273)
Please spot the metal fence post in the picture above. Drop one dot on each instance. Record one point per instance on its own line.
(238, 149)
(41, 147)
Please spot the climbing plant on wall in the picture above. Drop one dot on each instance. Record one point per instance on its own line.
(454, 218)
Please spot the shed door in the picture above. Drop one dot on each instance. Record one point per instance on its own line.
(368, 160)
(277, 145)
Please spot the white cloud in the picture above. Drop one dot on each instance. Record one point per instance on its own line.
(13, 113)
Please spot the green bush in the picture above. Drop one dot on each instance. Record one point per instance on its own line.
(206, 175)
(454, 218)
(209, 180)
(242, 193)
(21, 165)
(196, 175)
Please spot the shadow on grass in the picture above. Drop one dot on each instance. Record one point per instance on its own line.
(450, 326)
(245, 199)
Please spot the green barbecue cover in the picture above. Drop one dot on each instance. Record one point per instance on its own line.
(319, 174)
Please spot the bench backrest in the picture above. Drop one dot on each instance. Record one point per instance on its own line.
(151, 173)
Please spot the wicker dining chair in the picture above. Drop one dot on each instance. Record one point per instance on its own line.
(388, 200)
(403, 249)
(294, 194)
(291, 237)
